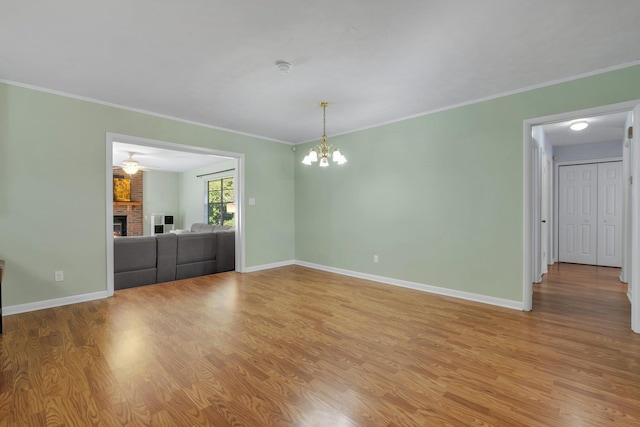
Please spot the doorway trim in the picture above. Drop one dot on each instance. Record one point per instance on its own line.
(127, 139)
(529, 204)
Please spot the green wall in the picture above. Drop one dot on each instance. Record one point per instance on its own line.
(192, 190)
(53, 190)
(438, 197)
(161, 194)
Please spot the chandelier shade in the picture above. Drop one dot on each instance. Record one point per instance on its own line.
(324, 151)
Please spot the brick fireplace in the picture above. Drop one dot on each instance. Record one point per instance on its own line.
(131, 210)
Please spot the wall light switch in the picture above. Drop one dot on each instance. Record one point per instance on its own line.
(59, 276)
(252, 201)
(375, 259)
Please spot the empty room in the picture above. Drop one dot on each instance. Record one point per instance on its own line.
(364, 213)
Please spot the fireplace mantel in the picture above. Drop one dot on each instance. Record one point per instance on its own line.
(127, 203)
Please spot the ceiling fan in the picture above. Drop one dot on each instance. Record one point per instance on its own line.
(130, 165)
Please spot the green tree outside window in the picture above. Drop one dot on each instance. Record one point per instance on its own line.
(220, 192)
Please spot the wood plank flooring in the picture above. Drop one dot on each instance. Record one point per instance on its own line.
(298, 347)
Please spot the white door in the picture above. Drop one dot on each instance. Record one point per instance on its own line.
(578, 214)
(610, 214)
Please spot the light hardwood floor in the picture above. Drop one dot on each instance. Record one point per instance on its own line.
(298, 347)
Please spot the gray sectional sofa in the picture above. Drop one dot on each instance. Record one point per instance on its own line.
(143, 260)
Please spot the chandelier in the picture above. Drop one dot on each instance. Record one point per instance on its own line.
(323, 151)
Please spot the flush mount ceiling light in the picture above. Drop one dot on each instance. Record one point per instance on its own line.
(323, 151)
(579, 125)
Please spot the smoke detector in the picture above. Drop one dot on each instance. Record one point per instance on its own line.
(283, 66)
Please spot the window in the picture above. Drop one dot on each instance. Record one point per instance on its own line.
(219, 194)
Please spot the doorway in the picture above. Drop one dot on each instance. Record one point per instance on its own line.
(112, 138)
(532, 210)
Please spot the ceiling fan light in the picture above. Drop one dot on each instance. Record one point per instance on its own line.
(579, 125)
(131, 169)
(130, 165)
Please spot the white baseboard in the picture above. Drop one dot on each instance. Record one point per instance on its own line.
(51, 303)
(500, 302)
(269, 266)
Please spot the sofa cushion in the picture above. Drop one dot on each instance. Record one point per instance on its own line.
(134, 253)
(131, 279)
(167, 254)
(196, 247)
(226, 250)
(199, 227)
(195, 269)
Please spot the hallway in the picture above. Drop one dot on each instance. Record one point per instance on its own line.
(589, 296)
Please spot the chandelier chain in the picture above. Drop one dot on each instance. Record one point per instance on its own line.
(324, 104)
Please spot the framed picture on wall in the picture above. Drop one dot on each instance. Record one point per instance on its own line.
(121, 189)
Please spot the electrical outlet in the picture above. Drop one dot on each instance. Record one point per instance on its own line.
(59, 276)
(375, 259)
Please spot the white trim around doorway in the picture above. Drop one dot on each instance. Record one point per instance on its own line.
(127, 139)
(529, 204)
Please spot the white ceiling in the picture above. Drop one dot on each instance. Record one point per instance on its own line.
(374, 61)
(161, 159)
(605, 128)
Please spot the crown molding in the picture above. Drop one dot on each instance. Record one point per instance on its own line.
(137, 110)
